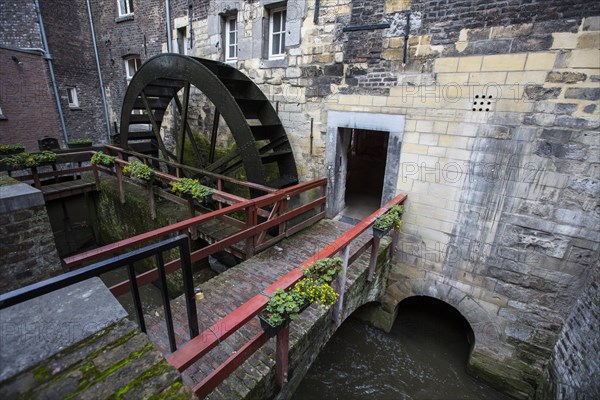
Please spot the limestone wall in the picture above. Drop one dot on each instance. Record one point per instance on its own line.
(502, 218)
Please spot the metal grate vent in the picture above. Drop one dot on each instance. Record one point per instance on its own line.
(483, 103)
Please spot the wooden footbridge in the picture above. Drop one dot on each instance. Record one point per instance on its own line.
(214, 339)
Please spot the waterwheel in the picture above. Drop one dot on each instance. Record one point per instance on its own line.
(253, 122)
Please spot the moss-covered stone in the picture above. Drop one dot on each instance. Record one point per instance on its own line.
(6, 180)
(516, 380)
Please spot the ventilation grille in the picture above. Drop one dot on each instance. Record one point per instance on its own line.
(482, 102)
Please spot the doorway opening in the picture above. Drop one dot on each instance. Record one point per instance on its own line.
(366, 152)
(361, 146)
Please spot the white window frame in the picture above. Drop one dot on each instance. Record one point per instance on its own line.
(281, 31)
(228, 44)
(137, 62)
(72, 97)
(125, 7)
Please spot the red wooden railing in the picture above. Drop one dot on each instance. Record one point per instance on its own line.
(251, 230)
(210, 338)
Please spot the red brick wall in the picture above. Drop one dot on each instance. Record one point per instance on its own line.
(26, 100)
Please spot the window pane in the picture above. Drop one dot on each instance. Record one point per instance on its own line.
(122, 9)
(276, 44)
(282, 41)
(130, 5)
(283, 16)
(277, 21)
(70, 95)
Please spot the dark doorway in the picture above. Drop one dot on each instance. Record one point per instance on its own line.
(366, 153)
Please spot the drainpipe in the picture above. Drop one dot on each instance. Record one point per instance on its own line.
(48, 58)
(89, 9)
(169, 40)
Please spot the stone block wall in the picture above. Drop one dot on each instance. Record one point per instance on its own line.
(498, 153)
(27, 248)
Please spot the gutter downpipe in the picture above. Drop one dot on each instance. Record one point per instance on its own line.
(48, 58)
(168, 11)
(107, 120)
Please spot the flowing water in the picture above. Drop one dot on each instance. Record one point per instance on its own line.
(424, 357)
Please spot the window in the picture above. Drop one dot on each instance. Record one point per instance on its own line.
(231, 38)
(277, 33)
(131, 66)
(182, 41)
(125, 7)
(72, 96)
(2, 116)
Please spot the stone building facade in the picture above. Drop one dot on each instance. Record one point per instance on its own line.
(493, 107)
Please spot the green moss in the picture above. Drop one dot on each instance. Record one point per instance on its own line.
(91, 375)
(6, 180)
(157, 370)
(42, 373)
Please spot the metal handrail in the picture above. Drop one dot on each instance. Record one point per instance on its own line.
(182, 242)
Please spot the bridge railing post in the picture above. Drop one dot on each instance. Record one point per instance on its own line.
(251, 219)
(282, 346)
(373, 259)
(341, 286)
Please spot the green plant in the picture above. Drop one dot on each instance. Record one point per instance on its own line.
(28, 160)
(284, 305)
(136, 169)
(103, 159)
(192, 187)
(392, 218)
(324, 270)
(10, 148)
(87, 142)
(44, 157)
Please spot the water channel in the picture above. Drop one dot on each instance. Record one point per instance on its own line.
(423, 358)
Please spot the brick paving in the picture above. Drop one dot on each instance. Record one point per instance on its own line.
(229, 290)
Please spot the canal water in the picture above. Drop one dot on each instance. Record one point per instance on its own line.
(423, 358)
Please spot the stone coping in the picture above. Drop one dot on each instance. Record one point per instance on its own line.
(36, 329)
(18, 197)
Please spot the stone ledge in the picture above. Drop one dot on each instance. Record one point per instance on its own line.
(18, 197)
(39, 328)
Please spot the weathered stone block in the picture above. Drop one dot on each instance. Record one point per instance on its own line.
(583, 93)
(566, 77)
(537, 92)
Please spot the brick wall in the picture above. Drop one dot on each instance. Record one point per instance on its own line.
(75, 67)
(26, 100)
(141, 35)
(28, 251)
(19, 24)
